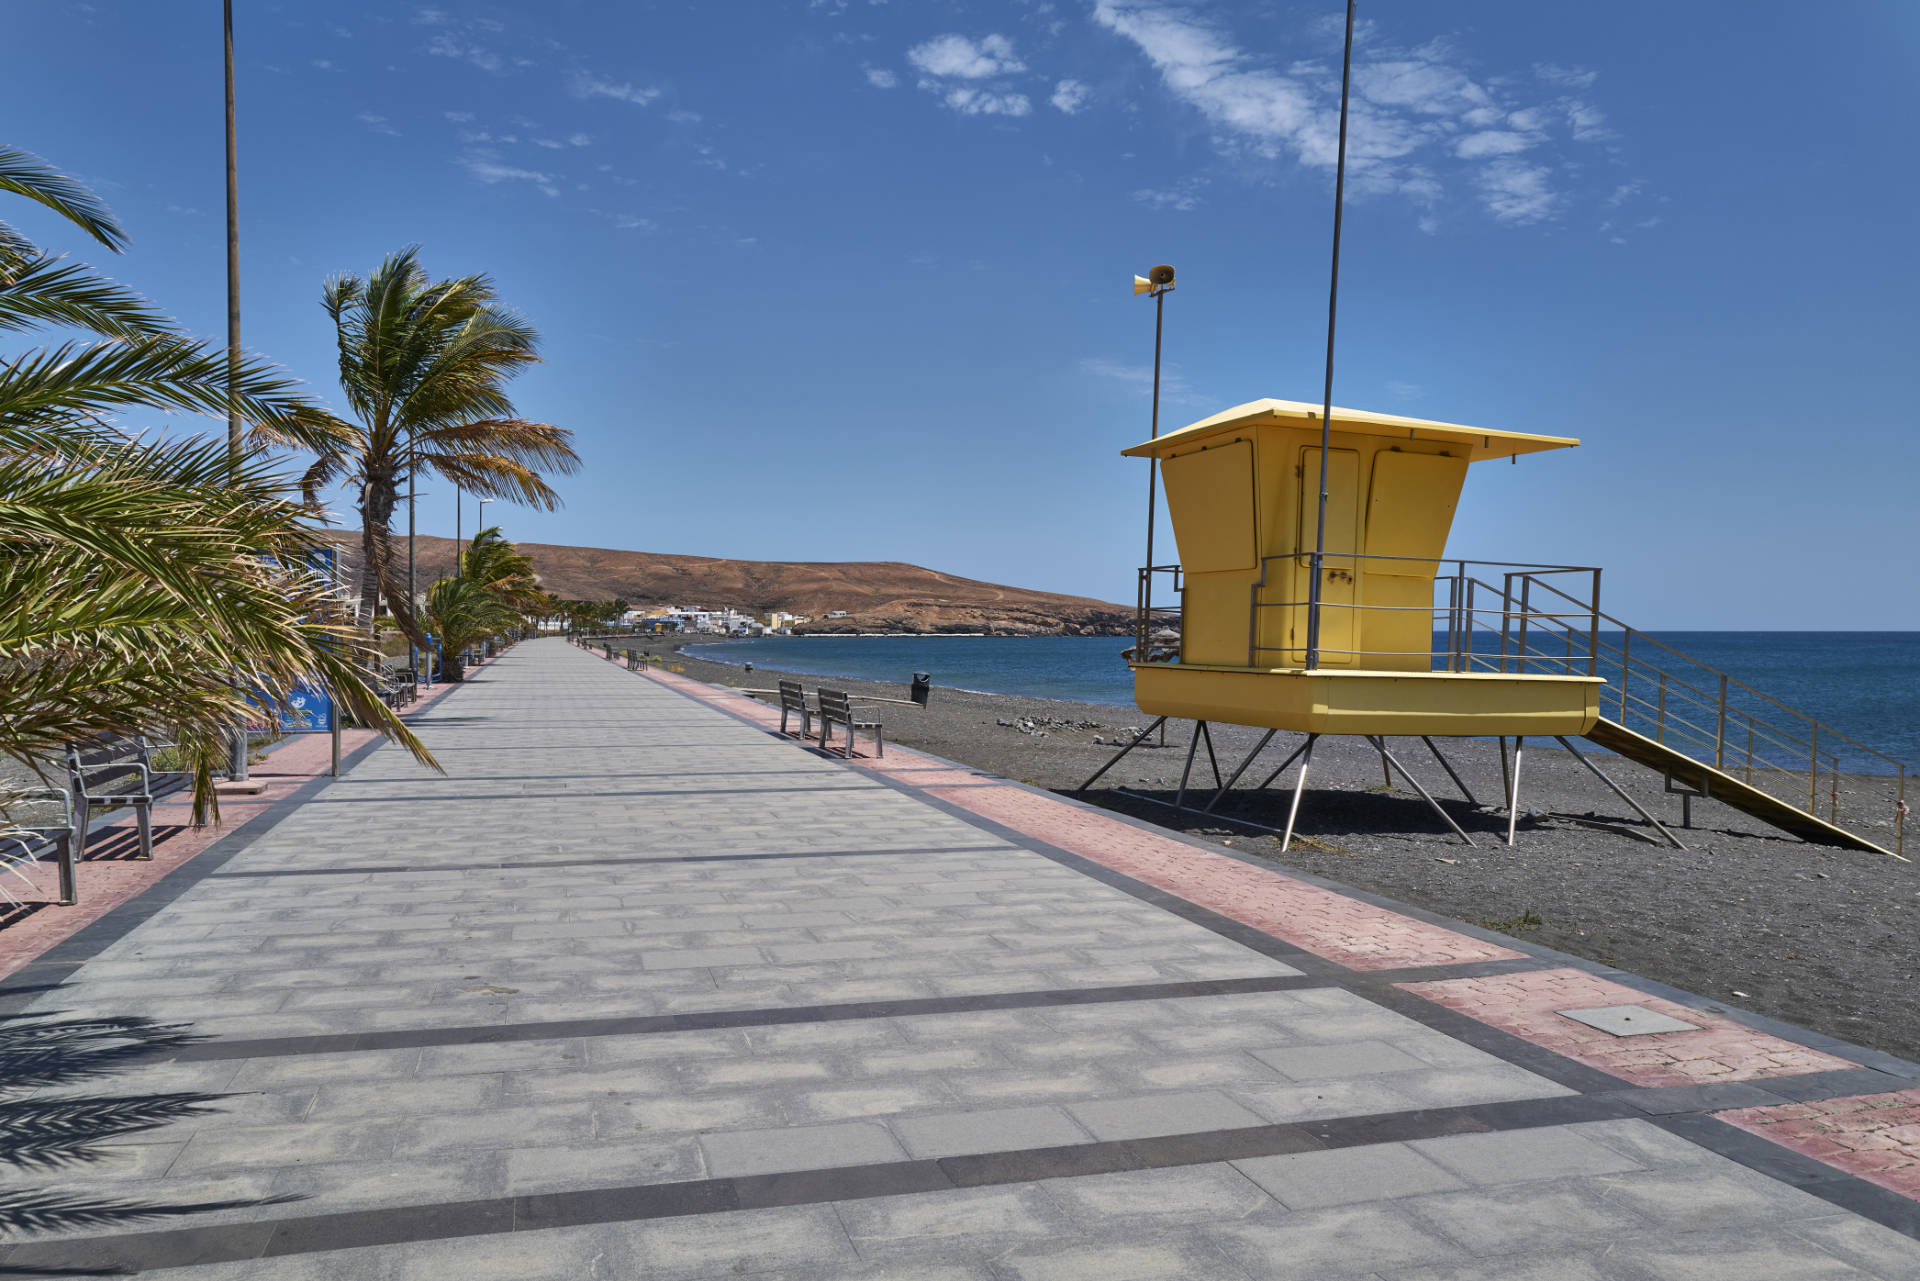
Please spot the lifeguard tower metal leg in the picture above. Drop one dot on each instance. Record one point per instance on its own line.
(1380, 745)
(1615, 789)
(1158, 722)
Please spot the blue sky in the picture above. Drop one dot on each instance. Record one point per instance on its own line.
(849, 280)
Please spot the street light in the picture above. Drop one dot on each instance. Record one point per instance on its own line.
(1156, 284)
(479, 523)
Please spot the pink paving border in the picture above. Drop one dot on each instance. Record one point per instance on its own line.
(106, 885)
(1529, 1004)
(1873, 1136)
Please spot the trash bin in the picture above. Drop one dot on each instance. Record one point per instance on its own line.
(922, 687)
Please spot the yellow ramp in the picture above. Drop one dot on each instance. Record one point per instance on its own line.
(1726, 788)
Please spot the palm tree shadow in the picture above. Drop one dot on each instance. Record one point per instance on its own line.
(67, 1132)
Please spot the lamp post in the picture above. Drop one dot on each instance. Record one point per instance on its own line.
(1156, 284)
(479, 523)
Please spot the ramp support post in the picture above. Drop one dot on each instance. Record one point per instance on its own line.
(1615, 789)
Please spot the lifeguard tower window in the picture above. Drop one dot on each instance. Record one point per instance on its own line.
(1410, 510)
(1210, 498)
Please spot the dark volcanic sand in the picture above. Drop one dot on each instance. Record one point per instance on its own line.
(1818, 936)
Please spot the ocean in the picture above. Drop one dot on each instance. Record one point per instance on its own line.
(1864, 684)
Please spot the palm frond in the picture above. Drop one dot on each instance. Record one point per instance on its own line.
(25, 174)
(44, 289)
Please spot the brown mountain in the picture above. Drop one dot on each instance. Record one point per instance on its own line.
(878, 596)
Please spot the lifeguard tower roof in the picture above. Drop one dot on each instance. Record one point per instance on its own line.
(1481, 442)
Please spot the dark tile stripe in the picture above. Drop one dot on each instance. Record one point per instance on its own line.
(535, 865)
(696, 1021)
(403, 1224)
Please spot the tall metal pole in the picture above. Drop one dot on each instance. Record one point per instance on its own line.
(1153, 464)
(457, 495)
(413, 651)
(1326, 408)
(237, 756)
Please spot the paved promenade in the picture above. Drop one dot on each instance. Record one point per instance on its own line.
(640, 990)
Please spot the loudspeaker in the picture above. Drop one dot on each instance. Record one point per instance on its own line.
(1141, 285)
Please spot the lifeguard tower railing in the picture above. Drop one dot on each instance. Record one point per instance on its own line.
(1494, 616)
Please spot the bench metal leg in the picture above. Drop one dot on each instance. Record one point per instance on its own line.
(69, 883)
(143, 816)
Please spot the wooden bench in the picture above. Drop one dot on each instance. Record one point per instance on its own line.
(114, 771)
(836, 708)
(793, 702)
(26, 844)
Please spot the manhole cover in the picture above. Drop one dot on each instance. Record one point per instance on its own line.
(1629, 1020)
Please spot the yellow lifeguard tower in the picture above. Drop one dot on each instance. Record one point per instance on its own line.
(1373, 631)
(1242, 490)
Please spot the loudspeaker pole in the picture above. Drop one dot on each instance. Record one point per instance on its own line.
(1326, 407)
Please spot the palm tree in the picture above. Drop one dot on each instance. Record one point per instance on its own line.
(133, 585)
(503, 569)
(424, 365)
(462, 613)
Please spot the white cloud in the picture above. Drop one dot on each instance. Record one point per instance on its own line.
(1518, 192)
(551, 144)
(983, 102)
(881, 78)
(959, 58)
(591, 86)
(1070, 96)
(377, 123)
(1416, 113)
(458, 117)
(448, 45)
(1183, 197)
(430, 17)
(1139, 378)
(485, 166)
(579, 140)
(682, 116)
(1478, 146)
(1565, 77)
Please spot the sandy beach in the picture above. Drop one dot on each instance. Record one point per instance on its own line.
(1819, 936)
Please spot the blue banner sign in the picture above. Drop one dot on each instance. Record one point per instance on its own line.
(307, 709)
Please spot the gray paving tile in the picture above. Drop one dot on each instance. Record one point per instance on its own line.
(1181, 1195)
(1522, 1155)
(987, 1130)
(1521, 1216)
(984, 1220)
(1378, 1172)
(814, 1147)
(1344, 1241)
(1344, 1062)
(1147, 1115)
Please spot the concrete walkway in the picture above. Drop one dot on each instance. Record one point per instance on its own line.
(641, 990)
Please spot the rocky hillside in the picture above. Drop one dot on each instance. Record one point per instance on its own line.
(878, 596)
